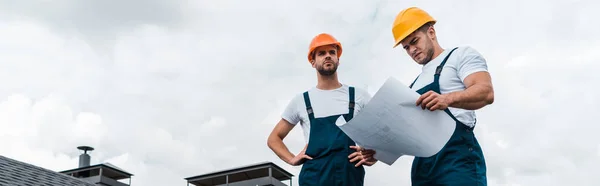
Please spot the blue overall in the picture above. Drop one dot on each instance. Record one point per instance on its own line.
(460, 162)
(329, 147)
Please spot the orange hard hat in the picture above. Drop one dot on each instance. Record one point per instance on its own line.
(321, 40)
(407, 21)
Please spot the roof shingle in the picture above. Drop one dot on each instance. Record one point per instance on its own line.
(16, 173)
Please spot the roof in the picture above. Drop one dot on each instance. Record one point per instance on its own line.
(13, 172)
(242, 173)
(114, 171)
(117, 168)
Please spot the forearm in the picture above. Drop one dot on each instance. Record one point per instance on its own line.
(472, 105)
(278, 147)
(472, 98)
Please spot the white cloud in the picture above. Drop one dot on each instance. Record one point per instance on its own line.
(172, 90)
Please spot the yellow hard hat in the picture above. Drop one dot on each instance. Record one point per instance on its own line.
(323, 39)
(407, 21)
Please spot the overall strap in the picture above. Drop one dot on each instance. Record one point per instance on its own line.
(413, 83)
(438, 70)
(436, 80)
(351, 103)
(309, 110)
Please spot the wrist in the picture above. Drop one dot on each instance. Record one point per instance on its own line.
(288, 159)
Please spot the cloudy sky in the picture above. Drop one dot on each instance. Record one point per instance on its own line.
(172, 89)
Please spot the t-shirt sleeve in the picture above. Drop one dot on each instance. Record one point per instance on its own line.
(290, 113)
(471, 61)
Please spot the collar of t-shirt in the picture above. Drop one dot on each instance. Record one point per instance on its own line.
(435, 62)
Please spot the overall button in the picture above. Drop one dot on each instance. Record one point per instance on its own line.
(470, 148)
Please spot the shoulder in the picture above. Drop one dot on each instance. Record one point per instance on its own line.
(292, 111)
(361, 91)
(295, 103)
(466, 50)
(298, 98)
(468, 60)
(362, 95)
(465, 54)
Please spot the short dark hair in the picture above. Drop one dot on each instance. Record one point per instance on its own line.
(425, 26)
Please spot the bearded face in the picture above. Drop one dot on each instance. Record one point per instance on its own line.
(325, 60)
(419, 45)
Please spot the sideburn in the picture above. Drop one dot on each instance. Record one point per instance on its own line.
(429, 53)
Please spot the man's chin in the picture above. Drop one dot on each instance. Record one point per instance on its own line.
(420, 61)
(327, 72)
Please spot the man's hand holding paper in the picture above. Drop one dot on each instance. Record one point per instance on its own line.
(431, 100)
(392, 125)
(364, 155)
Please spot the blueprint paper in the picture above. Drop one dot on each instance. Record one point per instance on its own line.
(393, 125)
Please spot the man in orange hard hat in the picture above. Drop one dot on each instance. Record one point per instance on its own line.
(330, 157)
(455, 81)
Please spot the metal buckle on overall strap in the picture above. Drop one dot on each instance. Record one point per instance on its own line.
(438, 70)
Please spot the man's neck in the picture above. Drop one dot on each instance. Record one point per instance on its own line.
(437, 50)
(328, 82)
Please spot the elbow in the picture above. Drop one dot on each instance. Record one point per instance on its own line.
(271, 140)
(489, 98)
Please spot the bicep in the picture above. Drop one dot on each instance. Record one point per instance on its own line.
(283, 128)
(289, 118)
(291, 112)
(482, 78)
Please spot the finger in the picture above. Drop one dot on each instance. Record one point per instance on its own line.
(367, 152)
(435, 107)
(357, 148)
(424, 100)
(356, 158)
(439, 106)
(368, 155)
(360, 162)
(432, 103)
(307, 157)
(422, 97)
(353, 155)
(427, 100)
(367, 158)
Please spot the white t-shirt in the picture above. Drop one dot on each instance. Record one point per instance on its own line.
(463, 62)
(324, 103)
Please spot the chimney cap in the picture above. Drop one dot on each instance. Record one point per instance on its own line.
(85, 148)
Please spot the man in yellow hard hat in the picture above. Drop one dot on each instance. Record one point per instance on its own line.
(455, 81)
(330, 157)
